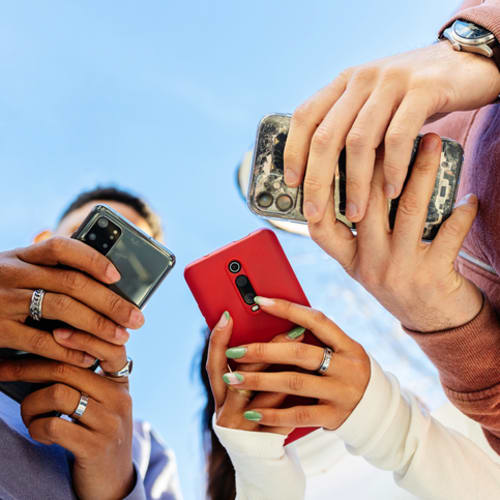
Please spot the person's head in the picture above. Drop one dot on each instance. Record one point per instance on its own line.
(135, 209)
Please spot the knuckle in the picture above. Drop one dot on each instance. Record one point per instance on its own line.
(117, 306)
(260, 351)
(395, 138)
(409, 205)
(364, 75)
(319, 318)
(103, 325)
(356, 141)
(59, 394)
(452, 228)
(295, 382)
(56, 245)
(311, 184)
(300, 351)
(302, 416)
(40, 342)
(73, 281)
(13, 371)
(354, 184)
(51, 428)
(369, 276)
(61, 371)
(62, 303)
(322, 138)
(303, 112)
(393, 74)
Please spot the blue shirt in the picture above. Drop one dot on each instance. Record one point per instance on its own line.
(31, 470)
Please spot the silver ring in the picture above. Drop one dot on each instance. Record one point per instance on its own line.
(82, 406)
(124, 372)
(325, 364)
(36, 304)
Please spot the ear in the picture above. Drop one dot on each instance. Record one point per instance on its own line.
(44, 235)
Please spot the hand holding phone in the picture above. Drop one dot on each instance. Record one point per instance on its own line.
(230, 278)
(84, 290)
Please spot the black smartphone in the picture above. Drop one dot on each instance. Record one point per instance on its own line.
(142, 262)
(269, 196)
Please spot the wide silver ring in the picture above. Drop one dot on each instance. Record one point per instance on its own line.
(325, 364)
(36, 304)
(82, 406)
(124, 372)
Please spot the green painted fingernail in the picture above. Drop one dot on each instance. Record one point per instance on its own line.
(227, 315)
(236, 352)
(296, 332)
(253, 416)
(232, 378)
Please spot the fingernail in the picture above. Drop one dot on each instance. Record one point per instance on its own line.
(112, 274)
(390, 191)
(62, 334)
(310, 209)
(233, 378)
(467, 199)
(290, 177)
(253, 416)
(236, 352)
(263, 301)
(296, 332)
(136, 318)
(351, 210)
(430, 143)
(224, 320)
(88, 360)
(121, 334)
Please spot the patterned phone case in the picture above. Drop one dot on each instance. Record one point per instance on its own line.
(269, 196)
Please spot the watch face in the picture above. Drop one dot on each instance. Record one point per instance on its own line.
(470, 31)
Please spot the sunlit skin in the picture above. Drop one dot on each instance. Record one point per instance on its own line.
(101, 441)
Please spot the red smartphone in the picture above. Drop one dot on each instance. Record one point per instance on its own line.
(230, 278)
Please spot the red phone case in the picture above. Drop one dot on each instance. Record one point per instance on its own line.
(266, 265)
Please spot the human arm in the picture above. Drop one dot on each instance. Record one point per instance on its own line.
(366, 408)
(418, 283)
(264, 468)
(383, 102)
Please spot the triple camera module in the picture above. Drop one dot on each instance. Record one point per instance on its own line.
(243, 284)
(103, 235)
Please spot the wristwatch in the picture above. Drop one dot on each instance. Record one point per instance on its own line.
(469, 37)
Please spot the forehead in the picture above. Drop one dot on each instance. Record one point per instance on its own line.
(73, 220)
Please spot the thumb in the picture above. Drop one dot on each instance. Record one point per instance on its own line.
(452, 233)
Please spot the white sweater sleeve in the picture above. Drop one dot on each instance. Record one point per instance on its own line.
(265, 469)
(393, 431)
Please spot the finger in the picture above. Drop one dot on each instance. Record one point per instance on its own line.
(399, 138)
(71, 436)
(269, 400)
(303, 125)
(362, 141)
(87, 291)
(305, 356)
(216, 358)
(315, 321)
(334, 237)
(84, 380)
(452, 233)
(297, 416)
(326, 144)
(112, 357)
(373, 234)
(24, 338)
(296, 334)
(62, 399)
(60, 251)
(61, 307)
(414, 202)
(294, 383)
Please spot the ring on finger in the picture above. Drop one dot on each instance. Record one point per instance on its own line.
(36, 304)
(325, 363)
(123, 372)
(81, 408)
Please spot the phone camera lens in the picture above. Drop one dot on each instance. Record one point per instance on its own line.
(284, 202)
(264, 200)
(103, 223)
(234, 266)
(241, 281)
(249, 298)
(105, 246)
(92, 237)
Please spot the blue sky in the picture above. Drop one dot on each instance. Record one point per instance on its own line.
(164, 97)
